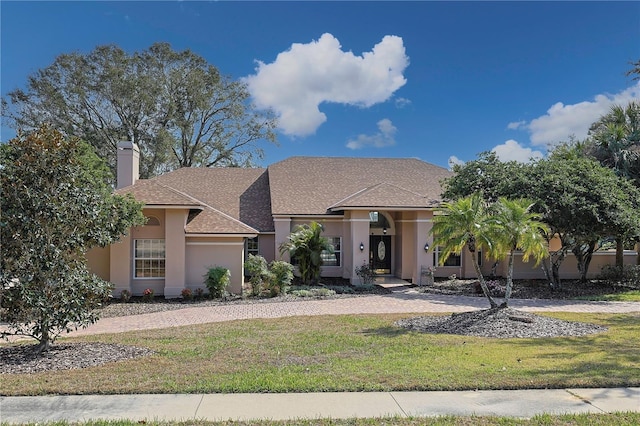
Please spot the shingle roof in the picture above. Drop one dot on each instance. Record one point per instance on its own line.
(313, 185)
(384, 195)
(153, 193)
(242, 193)
(211, 221)
(238, 200)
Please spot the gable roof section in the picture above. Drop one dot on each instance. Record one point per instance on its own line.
(153, 193)
(206, 220)
(384, 195)
(211, 221)
(317, 185)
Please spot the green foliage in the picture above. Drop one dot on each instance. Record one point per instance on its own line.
(628, 275)
(464, 223)
(514, 227)
(257, 269)
(180, 110)
(125, 295)
(217, 280)
(488, 176)
(55, 207)
(268, 279)
(366, 274)
(282, 275)
(614, 140)
(305, 245)
(147, 294)
(580, 201)
(306, 291)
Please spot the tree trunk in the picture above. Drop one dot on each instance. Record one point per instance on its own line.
(556, 259)
(483, 284)
(509, 289)
(584, 254)
(619, 252)
(44, 343)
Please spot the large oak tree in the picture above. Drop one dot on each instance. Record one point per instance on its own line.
(179, 109)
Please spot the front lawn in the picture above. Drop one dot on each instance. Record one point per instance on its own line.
(346, 353)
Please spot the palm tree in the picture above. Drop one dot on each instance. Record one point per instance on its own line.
(305, 245)
(464, 223)
(615, 141)
(515, 227)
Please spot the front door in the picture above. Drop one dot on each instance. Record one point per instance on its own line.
(380, 253)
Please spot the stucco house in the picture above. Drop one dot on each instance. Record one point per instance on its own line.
(373, 210)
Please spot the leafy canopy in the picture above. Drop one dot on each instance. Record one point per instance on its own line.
(305, 245)
(180, 110)
(55, 206)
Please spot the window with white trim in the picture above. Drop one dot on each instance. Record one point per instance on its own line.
(252, 246)
(453, 259)
(149, 258)
(332, 259)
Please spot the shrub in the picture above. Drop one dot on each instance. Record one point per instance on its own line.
(305, 291)
(187, 294)
(341, 289)
(147, 294)
(279, 277)
(268, 279)
(628, 275)
(217, 280)
(366, 274)
(257, 269)
(199, 293)
(125, 295)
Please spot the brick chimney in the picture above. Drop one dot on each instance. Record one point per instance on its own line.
(128, 164)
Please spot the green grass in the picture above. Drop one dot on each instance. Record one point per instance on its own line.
(347, 353)
(620, 419)
(627, 296)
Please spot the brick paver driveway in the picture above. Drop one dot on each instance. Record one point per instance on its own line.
(398, 302)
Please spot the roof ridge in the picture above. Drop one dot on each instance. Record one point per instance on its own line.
(223, 214)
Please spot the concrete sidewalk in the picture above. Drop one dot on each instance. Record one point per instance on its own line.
(522, 403)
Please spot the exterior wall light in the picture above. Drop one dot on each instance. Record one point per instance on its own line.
(426, 247)
(384, 230)
(361, 246)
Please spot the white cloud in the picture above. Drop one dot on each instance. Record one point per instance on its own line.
(562, 121)
(385, 137)
(306, 75)
(512, 151)
(515, 125)
(402, 102)
(453, 160)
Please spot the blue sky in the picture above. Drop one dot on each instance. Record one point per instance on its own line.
(440, 81)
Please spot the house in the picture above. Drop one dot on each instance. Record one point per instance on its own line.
(375, 211)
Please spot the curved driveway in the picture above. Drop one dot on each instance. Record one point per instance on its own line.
(400, 301)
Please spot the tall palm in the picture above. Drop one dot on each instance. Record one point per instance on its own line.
(514, 227)
(464, 223)
(305, 245)
(616, 144)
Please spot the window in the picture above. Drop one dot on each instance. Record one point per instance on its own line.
(452, 260)
(152, 221)
(149, 259)
(332, 259)
(252, 246)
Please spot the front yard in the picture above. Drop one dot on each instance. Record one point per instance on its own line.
(346, 353)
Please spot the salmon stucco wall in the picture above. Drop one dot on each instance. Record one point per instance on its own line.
(202, 254)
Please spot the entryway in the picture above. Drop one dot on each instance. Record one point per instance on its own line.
(380, 253)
